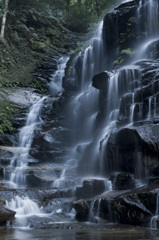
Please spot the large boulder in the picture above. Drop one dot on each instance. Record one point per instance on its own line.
(152, 50)
(6, 214)
(133, 150)
(123, 181)
(90, 188)
(136, 207)
(100, 81)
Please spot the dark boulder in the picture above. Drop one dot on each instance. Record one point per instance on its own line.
(152, 50)
(136, 207)
(82, 209)
(50, 138)
(90, 188)
(6, 214)
(123, 181)
(121, 150)
(152, 180)
(100, 81)
(132, 150)
(128, 210)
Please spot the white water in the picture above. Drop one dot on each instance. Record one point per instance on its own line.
(155, 219)
(132, 110)
(24, 208)
(83, 107)
(55, 84)
(149, 9)
(21, 157)
(87, 157)
(89, 142)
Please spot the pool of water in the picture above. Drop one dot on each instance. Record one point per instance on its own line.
(70, 234)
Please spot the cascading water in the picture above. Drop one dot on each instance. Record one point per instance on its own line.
(21, 159)
(89, 142)
(24, 208)
(154, 219)
(85, 104)
(148, 12)
(55, 84)
(87, 156)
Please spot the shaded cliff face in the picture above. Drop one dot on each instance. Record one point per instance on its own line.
(133, 144)
(128, 116)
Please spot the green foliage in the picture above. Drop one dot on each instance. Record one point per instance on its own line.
(128, 52)
(123, 37)
(6, 110)
(81, 13)
(118, 62)
(72, 19)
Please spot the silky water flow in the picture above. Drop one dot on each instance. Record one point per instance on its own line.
(86, 158)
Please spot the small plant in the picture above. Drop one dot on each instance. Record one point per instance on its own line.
(128, 52)
(118, 62)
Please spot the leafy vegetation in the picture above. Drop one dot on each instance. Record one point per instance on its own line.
(6, 111)
(82, 13)
(35, 29)
(128, 52)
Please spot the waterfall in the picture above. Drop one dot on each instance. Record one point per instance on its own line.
(24, 208)
(148, 17)
(55, 84)
(84, 105)
(149, 111)
(92, 128)
(21, 159)
(155, 219)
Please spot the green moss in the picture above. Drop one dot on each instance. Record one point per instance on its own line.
(122, 37)
(6, 111)
(18, 77)
(39, 85)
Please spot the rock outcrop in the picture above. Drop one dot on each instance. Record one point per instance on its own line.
(90, 188)
(5, 214)
(134, 207)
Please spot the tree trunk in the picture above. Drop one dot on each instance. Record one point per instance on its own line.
(68, 6)
(4, 20)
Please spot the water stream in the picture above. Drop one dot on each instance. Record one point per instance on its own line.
(88, 142)
(21, 157)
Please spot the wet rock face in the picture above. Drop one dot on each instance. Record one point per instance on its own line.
(44, 72)
(116, 31)
(121, 150)
(152, 51)
(131, 212)
(6, 141)
(123, 181)
(132, 207)
(6, 214)
(90, 188)
(50, 140)
(133, 151)
(82, 208)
